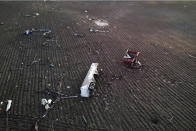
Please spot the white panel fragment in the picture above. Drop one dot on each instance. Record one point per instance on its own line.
(44, 101)
(8, 105)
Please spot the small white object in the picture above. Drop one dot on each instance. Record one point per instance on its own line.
(8, 105)
(139, 63)
(127, 56)
(49, 101)
(86, 11)
(44, 101)
(1, 102)
(47, 106)
(88, 80)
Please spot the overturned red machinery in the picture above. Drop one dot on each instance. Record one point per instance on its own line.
(130, 58)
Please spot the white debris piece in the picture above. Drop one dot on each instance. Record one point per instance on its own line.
(47, 106)
(8, 105)
(101, 23)
(49, 101)
(89, 79)
(44, 101)
(139, 63)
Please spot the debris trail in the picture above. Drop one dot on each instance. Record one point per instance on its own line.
(49, 104)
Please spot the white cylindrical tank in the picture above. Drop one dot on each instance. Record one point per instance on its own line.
(88, 80)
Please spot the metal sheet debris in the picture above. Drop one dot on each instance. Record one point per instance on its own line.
(46, 103)
(130, 58)
(35, 62)
(116, 77)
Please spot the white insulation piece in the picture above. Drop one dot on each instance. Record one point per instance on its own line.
(89, 79)
(9, 102)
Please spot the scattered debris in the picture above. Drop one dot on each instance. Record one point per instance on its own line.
(52, 65)
(116, 77)
(35, 62)
(46, 34)
(79, 35)
(33, 15)
(94, 30)
(27, 32)
(46, 103)
(101, 22)
(130, 58)
(51, 93)
(89, 80)
(8, 105)
(49, 43)
(45, 43)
